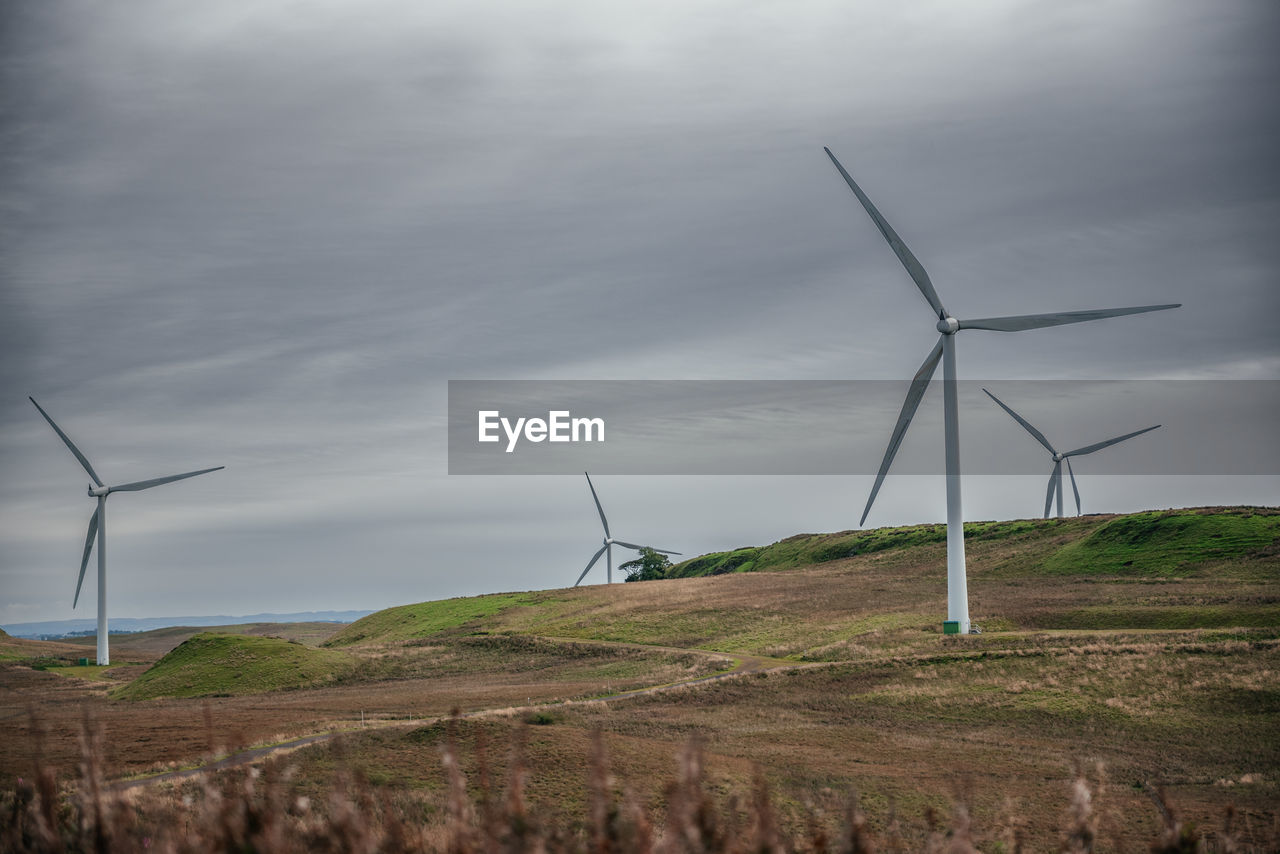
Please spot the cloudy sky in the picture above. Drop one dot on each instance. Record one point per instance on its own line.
(266, 235)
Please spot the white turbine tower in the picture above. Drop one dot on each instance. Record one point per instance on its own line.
(98, 527)
(609, 542)
(944, 350)
(1059, 457)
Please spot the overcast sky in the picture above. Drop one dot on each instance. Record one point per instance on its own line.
(266, 234)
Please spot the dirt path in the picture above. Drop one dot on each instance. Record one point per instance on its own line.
(743, 664)
(242, 758)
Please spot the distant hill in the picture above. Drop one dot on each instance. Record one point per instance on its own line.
(56, 629)
(210, 664)
(157, 642)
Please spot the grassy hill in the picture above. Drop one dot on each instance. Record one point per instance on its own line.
(212, 664)
(820, 596)
(1160, 543)
(811, 597)
(156, 642)
(33, 651)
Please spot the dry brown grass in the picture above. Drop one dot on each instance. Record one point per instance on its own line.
(412, 682)
(262, 811)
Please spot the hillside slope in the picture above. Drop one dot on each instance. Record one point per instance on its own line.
(1159, 543)
(855, 590)
(811, 597)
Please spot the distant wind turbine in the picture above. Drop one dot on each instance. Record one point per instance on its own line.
(944, 350)
(1059, 457)
(609, 542)
(98, 527)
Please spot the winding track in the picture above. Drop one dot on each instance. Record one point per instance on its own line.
(743, 665)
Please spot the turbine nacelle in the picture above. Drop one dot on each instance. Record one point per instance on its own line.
(99, 491)
(948, 325)
(1058, 456)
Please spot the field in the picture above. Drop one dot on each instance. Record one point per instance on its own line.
(159, 641)
(1141, 651)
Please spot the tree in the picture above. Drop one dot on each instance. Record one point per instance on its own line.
(650, 566)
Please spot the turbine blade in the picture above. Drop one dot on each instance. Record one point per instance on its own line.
(147, 484)
(595, 557)
(88, 547)
(1016, 417)
(1089, 449)
(1023, 322)
(72, 445)
(638, 548)
(603, 521)
(914, 267)
(1074, 488)
(919, 384)
(1053, 482)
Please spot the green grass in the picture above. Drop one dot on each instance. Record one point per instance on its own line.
(1170, 543)
(210, 664)
(1162, 543)
(95, 672)
(425, 619)
(808, 549)
(1170, 617)
(699, 628)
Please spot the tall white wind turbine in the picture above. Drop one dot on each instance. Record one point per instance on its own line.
(1059, 457)
(98, 527)
(609, 542)
(944, 350)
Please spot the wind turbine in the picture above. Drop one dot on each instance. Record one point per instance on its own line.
(1059, 457)
(944, 350)
(98, 527)
(609, 542)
